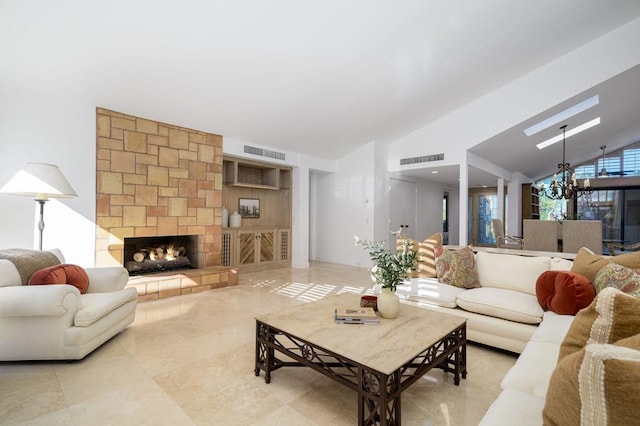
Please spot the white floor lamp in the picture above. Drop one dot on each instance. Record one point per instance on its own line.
(40, 181)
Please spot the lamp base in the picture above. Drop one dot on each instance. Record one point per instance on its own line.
(41, 222)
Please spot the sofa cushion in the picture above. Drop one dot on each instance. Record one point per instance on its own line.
(564, 292)
(9, 275)
(613, 315)
(560, 264)
(429, 290)
(533, 369)
(617, 276)
(507, 304)
(553, 328)
(62, 274)
(96, 305)
(511, 272)
(514, 407)
(457, 267)
(588, 263)
(597, 385)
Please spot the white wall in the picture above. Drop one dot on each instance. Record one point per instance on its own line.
(430, 196)
(532, 94)
(344, 207)
(429, 206)
(57, 130)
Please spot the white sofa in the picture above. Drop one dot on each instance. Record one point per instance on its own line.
(48, 322)
(524, 388)
(506, 315)
(504, 312)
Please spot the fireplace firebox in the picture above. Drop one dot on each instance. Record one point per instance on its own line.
(147, 255)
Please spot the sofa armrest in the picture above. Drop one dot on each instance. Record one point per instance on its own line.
(40, 300)
(107, 279)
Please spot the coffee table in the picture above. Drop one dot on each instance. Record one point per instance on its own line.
(378, 361)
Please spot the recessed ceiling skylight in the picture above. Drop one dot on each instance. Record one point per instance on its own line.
(563, 115)
(572, 132)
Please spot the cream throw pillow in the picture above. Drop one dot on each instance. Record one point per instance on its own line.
(613, 315)
(426, 257)
(597, 385)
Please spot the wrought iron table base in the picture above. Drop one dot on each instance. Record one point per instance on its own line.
(378, 393)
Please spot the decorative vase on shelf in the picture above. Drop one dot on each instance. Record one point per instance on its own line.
(225, 217)
(234, 220)
(388, 303)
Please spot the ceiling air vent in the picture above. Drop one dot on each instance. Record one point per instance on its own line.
(423, 159)
(264, 152)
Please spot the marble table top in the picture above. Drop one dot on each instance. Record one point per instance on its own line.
(384, 347)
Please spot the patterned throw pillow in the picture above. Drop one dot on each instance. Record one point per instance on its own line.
(597, 385)
(617, 276)
(588, 263)
(457, 267)
(426, 258)
(613, 315)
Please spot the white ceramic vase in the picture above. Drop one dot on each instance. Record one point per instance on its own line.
(235, 220)
(225, 217)
(388, 304)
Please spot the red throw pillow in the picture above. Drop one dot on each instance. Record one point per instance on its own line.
(564, 292)
(62, 274)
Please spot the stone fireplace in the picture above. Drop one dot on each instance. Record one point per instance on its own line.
(155, 179)
(147, 255)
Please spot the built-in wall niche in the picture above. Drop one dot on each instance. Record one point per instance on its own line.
(252, 174)
(269, 184)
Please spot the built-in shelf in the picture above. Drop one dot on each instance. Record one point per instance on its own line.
(262, 241)
(256, 175)
(530, 201)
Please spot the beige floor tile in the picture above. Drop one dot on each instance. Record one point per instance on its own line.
(190, 360)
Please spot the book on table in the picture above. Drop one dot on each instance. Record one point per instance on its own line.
(355, 315)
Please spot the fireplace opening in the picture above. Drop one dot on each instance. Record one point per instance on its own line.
(147, 255)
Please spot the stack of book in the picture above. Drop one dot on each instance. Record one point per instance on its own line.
(349, 315)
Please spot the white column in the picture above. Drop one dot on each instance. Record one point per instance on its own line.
(463, 238)
(300, 215)
(500, 214)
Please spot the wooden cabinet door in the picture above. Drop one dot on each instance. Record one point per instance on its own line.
(246, 248)
(228, 249)
(284, 245)
(266, 243)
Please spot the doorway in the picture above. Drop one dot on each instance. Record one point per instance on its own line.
(403, 208)
(483, 207)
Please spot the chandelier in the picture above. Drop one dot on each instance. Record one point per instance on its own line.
(564, 184)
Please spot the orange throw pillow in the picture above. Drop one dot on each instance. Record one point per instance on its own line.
(62, 274)
(564, 292)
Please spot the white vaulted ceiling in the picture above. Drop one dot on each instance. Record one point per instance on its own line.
(320, 78)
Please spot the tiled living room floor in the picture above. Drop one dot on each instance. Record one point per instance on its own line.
(189, 360)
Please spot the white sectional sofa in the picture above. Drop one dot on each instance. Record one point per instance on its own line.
(524, 388)
(504, 312)
(49, 322)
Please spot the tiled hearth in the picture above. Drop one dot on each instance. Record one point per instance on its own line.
(156, 179)
(169, 284)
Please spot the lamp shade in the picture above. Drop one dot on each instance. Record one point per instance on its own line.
(40, 181)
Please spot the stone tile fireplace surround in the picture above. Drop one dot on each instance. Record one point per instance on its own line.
(155, 179)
